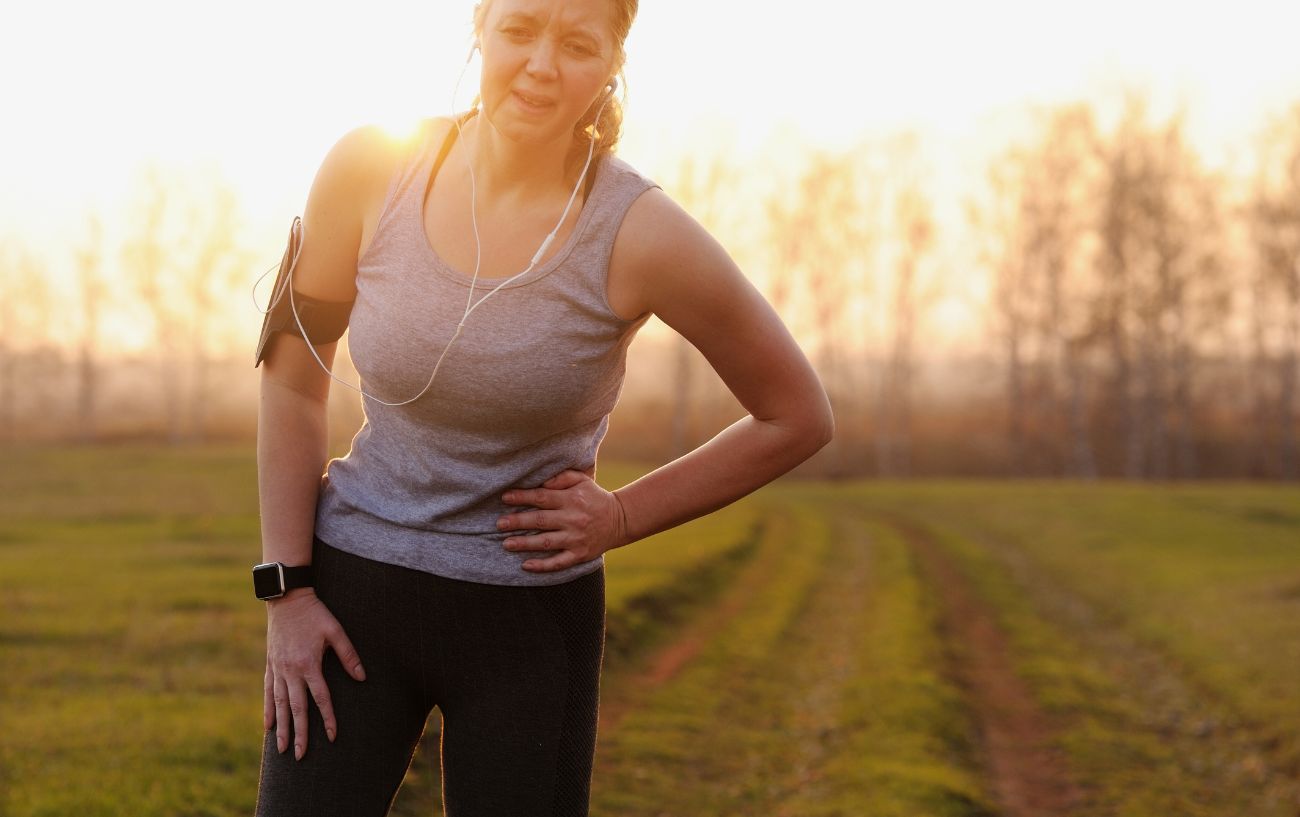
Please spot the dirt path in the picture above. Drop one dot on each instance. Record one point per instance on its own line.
(625, 688)
(1197, 745)
(1029, 776)
(829, 631)
(740, 711)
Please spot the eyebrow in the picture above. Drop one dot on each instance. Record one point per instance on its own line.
(523, 17)
(534, 20)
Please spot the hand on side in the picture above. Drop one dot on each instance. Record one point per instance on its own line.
(298, 629)
(576, 519)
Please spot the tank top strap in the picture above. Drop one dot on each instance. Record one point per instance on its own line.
(410, 178)
(618, 185)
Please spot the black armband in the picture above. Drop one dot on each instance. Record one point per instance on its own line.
(324, 321)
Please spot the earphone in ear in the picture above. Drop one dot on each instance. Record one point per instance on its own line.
(472, 49)
(612, 85)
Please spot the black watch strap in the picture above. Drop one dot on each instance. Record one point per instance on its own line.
(273, 579)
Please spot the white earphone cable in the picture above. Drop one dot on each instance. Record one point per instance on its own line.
(470, 303)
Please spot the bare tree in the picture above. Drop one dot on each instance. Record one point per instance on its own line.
(1165, 283)
(8, 346)
(150, 258)
(208, 280)
(1060, 208)
(1274, 218)
(915, 229)
(1123, 166)
(1037, 228)
(999, 231)
(30, 362)
(91, 290)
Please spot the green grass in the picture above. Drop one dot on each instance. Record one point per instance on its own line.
(1157, 626)
(820, 696)
(1152, 623)
(132, 648)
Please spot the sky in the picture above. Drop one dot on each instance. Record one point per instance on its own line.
(259, 91)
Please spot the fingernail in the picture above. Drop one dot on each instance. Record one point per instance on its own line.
(508, 498)
(279, 745)
(330, 733)
(501, 524)
(297, 752)
(361, 672)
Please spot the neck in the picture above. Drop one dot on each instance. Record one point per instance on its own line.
(505, 168)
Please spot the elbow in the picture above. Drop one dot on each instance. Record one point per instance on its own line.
(823, 429)
(821, 419)
(817, 430)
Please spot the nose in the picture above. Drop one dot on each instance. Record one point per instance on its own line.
(541, 62)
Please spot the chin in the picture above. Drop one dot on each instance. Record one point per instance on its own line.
(528, 133)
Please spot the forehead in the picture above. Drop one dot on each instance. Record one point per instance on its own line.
(591, 16)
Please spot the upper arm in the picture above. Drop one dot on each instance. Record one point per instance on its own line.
(350, 178)
(345, 187)
(673, 267)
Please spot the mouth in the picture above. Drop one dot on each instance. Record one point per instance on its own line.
(532, 102)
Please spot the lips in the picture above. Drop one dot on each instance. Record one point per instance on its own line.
(532, 102)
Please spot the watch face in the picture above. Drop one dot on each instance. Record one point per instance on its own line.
(266, 581)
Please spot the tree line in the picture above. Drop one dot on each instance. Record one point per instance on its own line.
(1138, 309)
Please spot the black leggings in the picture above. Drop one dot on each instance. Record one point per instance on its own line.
(515, 672)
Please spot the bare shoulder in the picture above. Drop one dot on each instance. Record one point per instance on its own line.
(363, 161)
(654, 226)
(662, 255)
(369, 155)
(343, 204)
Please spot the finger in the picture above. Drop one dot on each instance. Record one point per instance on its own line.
(531, 520)
(282, 721)
(565, 479)
(536, 542)
(536, 497)
(268, 700)
(320, 693)
(557, 562)
(298, 710)
(347, 654)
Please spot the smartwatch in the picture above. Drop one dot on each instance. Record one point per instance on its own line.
(273, 579)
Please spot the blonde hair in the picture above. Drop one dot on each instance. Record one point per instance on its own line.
(611, 117)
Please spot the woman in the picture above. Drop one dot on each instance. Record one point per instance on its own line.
(458, 549)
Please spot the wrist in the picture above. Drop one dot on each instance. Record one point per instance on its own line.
(275, 580)
(290, 596)
(621, 534)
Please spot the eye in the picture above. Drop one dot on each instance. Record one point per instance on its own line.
(580, 48)
(517, 33)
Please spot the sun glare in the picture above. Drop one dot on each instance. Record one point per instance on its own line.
(400, 128)
(691, 91)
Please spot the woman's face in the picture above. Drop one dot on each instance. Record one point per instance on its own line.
(544, 63)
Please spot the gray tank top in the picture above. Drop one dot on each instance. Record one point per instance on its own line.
(524, 393)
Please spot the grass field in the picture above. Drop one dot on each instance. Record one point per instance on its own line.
(867, 649)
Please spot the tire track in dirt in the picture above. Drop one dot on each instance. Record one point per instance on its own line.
(781, 709)
(626, 688)
(828, 631)
(772, 688)
(1029, 776)
(1217, 757)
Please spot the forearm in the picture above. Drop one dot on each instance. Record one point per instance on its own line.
(742, 458)
(291, 452)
